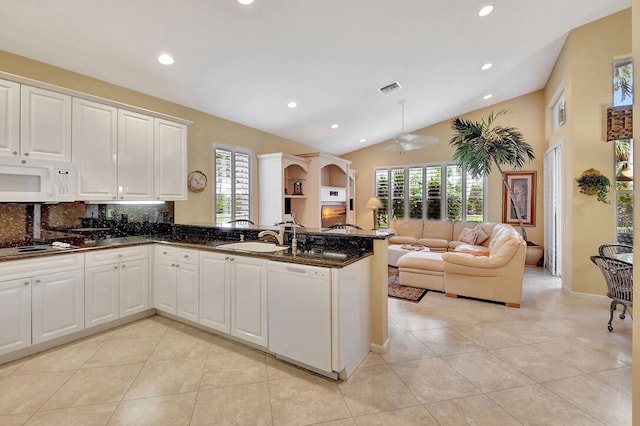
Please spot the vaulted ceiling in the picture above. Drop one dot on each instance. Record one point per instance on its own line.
(246, 63)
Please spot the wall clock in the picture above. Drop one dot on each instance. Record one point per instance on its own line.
(197, 181)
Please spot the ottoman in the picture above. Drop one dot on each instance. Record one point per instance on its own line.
(396, 251)
(422, 269)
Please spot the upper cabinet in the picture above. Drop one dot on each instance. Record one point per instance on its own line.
(9, 118)
(135, 156)
(170, 150)
(118, 153)
(124, 155)
(95, 149)
(34, 123)
(45, 125)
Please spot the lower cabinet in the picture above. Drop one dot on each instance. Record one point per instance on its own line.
(57, 305)
(115, 291)
(15, 315)
(233, 296)
(116, 284)
(175, 286)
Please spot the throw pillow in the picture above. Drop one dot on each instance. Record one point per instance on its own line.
(481, 236)
(468, 235)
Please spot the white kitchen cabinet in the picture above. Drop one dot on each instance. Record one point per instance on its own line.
(135, 156)
(101, 295)
(215, 296)
(170, 151)
(133, 287)
(57, 304)
(176, 282)
(233, 296)
(95, 149)
(45, 124)
(249, 320)
(15, 315)
(116, 283)
(9, 118)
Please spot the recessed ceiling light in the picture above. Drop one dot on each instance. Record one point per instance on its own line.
(292, 104)
(486, 66)
(245, 2)
(334, 126)
(489, 96)
(486, 10)
(165, 59)
(363, 140)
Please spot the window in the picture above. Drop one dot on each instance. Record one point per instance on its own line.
(232, 171)
(623, 154)
(420, 192)
(559, 112)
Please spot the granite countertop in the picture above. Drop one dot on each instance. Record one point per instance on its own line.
(330, 259)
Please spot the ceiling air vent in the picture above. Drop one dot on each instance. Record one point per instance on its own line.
(390, 88)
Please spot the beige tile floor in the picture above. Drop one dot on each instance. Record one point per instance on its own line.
(451, 362)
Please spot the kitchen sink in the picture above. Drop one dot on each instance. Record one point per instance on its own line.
(254, 246)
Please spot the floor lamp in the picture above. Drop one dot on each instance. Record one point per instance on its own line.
(374, 204)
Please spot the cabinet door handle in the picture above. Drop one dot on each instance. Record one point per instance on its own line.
(37, 281)
(115, 267)
(231, 259)
(226, 258)
(26, 283)
(26, 154)
(123, 266)
(186, 256)
(15, 152)
(164, 252)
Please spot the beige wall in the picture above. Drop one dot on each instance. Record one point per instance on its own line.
(205, 130)
(584, 70)
(526, 114)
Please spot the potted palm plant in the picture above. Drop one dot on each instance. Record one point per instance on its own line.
(480, 145)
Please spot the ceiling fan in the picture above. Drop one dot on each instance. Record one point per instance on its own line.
(408, 141)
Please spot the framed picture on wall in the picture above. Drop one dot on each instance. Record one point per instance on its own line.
(523, 188)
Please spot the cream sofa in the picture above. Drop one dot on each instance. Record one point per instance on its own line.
(437, 235)
(495, 272)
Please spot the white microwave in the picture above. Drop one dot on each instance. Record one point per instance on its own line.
(36, 180)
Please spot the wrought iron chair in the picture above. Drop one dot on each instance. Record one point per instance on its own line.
(242, 221)
(619, 278)
(610, 249)
(345, 226)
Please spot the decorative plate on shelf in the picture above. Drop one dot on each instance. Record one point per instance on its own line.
(197, 181)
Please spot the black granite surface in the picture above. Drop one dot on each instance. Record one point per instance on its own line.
(314, 247)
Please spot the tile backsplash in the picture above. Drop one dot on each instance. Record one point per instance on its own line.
(26, 223)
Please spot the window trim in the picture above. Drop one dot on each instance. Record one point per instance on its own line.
(443, 190)
(233, 149)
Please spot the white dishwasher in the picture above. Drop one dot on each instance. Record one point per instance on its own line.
(300, 314)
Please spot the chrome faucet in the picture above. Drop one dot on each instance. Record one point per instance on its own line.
(278, 236)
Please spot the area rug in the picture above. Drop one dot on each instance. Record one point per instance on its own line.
(404, 292)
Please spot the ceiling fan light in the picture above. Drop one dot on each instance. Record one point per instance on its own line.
(486, 66)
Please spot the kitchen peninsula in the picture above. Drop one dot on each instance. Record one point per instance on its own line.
(179, 271)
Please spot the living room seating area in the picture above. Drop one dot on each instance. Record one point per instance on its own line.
(485, 261)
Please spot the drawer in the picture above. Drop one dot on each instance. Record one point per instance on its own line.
(187, 256)
(163, 251)
(40, 266)
(115, 255)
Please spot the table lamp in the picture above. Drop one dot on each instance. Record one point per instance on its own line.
(374, 204)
